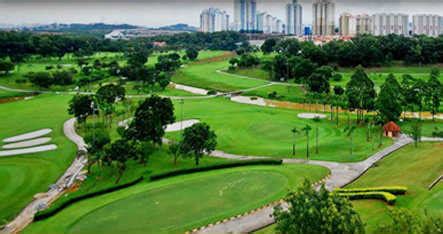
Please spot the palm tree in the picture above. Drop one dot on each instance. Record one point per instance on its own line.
(294, 131)
(349, 130)
(307, 129)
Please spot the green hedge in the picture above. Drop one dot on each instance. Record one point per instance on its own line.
(213, 167)
(55, 208)
(385, 196)
(396, 190)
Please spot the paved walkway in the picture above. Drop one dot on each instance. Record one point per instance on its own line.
(42, 201)
(341, 175)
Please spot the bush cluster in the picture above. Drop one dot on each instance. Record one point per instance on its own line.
(387, 197)
(396, 190)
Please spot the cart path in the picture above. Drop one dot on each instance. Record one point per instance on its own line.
(43, 200)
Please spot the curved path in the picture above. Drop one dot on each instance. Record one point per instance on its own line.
(41, 201)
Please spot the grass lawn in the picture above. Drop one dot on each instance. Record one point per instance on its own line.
(206, 76)
(428, 126)
(413, 167)
(158, 207)
(10, 94)
(21, 177)
(253, 130)
(284, 93)
(255, 72)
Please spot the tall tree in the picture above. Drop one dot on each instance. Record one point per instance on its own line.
(197, 140)
(150, 120)
(312, 211)
(434, 92)
(192, 53)
(269, 45)
(318, 82)
(390, 100)
(118, 153)
(294, 131)
(307, 129)
(81, 106)
(6, 66)
(361, 93)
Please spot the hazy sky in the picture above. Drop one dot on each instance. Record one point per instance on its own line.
(166, 12)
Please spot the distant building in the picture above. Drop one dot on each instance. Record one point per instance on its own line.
(385, 24)
(214, 20)
(364, 24)
(294, 16)
(429, 25)
(348, 25)
(260, 21)
(323, 12)
(245, 14)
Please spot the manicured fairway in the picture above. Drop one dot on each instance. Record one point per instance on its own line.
(253, 130)
(206, 76)
(9, 94)
(21, 177)
(178, 204)
(413, 167)
(283, 92)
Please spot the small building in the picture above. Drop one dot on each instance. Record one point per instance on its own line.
(391, 129)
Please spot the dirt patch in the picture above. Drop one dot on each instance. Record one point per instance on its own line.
(223, 57)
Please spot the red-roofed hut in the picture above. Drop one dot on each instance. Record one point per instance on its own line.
(391, 129)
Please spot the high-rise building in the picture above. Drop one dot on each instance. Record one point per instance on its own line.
(441, 25)
(268, 24)
(245, 14)
(364, 24)
(348, 25)
(214, 20)
(294, 16)
(385, 24)
(426, 25)
(323, 12)
(260, 21)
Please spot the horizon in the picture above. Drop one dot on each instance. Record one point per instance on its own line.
(157, 14)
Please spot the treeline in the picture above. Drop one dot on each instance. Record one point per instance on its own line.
(365, 50)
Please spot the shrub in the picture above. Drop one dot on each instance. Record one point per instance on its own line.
(273, 95)
(213, 167)
(55, 208)
(212, 92)
(437, 133)
(396, 190)
(337, 77)
(387, 197)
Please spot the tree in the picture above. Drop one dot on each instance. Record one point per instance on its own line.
(81, 106)
(269, 45)
(405, 221)
(197, 140)
(349, 131)
(318, 82)
(174, 149)
(63, 78)
(434, 92)
(361, 93)
(192, 54)
(150, 120)
(294, 131)
(307, 129)
(96, 141)
(107, 95)
(317, 212)
(390, 100)
(41, 79)
(118, 153)
(415, 131)
(6, 66)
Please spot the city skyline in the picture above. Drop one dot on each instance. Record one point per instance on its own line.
(157, 13)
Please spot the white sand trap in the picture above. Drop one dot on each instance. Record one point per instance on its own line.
(27, 150)
(178, 125)
(28, 136)
(249, 100)
(30, 143)
(190, 89)
(311, 116)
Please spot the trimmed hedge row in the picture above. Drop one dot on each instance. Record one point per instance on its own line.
(217, 166)
(52, 210)
(396, 190)
(385, 196)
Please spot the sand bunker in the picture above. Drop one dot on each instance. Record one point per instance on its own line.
(249, 100)
(178, 126)
(30, 143)
(28, 150)
(311, 116)
(28, 136)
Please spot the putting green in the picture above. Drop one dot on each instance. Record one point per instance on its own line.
(21, 177)
(263, 131)
(178, 204)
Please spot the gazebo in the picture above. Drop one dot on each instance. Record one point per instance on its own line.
(391, 129)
